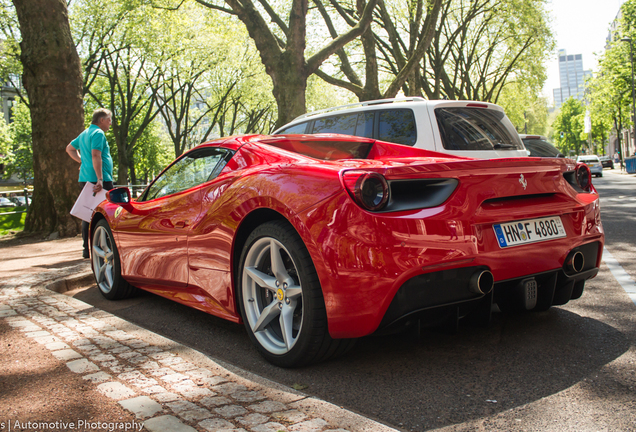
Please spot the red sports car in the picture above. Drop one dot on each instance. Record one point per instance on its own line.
(312, 241)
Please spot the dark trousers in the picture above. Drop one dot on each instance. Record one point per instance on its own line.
(108, 186)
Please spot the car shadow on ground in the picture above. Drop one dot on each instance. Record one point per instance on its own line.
(409, 380)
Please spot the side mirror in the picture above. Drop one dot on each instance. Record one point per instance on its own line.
(120, 195)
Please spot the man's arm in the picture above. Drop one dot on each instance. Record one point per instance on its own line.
(97, 166)
(73, 153)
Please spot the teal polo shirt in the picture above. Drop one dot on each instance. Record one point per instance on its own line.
(91, 139)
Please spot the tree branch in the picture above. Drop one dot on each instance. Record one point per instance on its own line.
(354, 88)
(275, 18)
(428, 32)
(215, 7)
(318, 58)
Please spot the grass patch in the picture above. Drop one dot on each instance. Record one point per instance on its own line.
(12, 223)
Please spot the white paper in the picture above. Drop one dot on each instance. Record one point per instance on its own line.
(87, 201)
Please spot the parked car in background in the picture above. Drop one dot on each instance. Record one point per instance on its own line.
(463, 128)
(20, 201)
(312, 241)
(607, 162)
(593, 163)
(539, 146)
(6, 202)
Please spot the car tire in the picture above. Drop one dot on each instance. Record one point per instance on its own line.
(106, 264)
(281, 301)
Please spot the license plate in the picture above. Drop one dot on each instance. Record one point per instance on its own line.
(529, 231)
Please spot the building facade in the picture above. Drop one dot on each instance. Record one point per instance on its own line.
(572, 78)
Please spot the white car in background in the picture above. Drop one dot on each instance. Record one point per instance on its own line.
(463, 128)
(20, 201)
(6, 202)
(593, 163)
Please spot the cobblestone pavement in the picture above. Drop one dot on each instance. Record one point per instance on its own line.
(167, 386)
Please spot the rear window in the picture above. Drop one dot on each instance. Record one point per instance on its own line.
(465, 128)
(588, 159)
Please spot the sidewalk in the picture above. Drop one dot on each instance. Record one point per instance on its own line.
(158, 384)
(617, 170)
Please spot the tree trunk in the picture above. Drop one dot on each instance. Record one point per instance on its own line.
(121, 137)
(290, 86)
(132, 174)
(123, 166)
(371, 89)
(53, 81)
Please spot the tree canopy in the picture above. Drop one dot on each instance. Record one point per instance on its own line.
(610, 91)
(178, 72)
(569, 128)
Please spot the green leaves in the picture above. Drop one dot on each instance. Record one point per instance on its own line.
(610, 91)
(527, 111)
(16, 143)
(173, 73)
(483, 45)
(569, 135)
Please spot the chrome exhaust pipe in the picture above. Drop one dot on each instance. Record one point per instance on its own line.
(576, 262)
(481, 282)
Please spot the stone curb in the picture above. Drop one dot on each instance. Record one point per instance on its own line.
(166, 385)
(71, 282)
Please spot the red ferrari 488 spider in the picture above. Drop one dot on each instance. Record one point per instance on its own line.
(313, 241)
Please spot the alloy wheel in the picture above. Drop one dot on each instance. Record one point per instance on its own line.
(272, 295)
(103, 259)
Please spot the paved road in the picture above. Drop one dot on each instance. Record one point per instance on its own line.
(571, 368)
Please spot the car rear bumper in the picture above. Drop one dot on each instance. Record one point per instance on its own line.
(363, 259)
(423, 297)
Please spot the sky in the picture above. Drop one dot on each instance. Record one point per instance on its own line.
(580, 27)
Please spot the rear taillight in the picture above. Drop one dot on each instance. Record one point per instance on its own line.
(583, 177)
(369, 189)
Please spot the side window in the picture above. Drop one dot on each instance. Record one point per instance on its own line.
(191, 170)
(397, 126)
(297, 129)
(364, 128)
(342, 124)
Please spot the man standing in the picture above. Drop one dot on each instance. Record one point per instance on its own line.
(96, 165)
